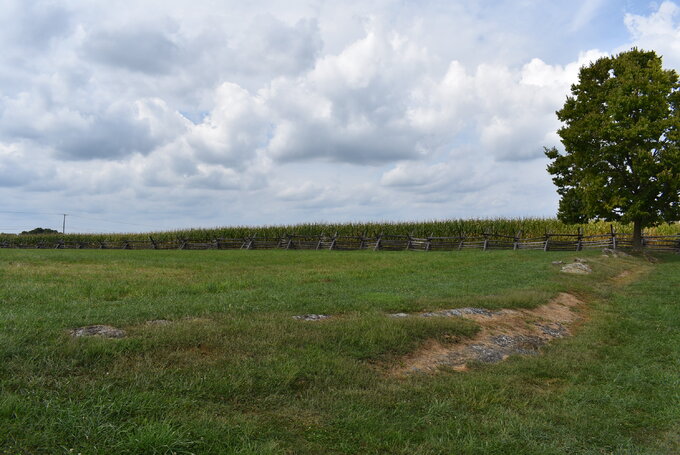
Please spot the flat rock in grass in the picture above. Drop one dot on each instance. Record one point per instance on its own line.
(459, 312)
(557, 262)
(104, 331)
(554, 330)
(502, 346)
(399, 315)
(577, 268)
(611, 253)
(311, 317)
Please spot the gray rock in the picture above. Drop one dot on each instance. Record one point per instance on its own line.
(556, 330)
(503, 340)
(399, 315)
(577, 268)
(581, 260)
(518, 344)
(459, 312)
(557, 262)
(608, 252)
(311, 317)
(104, 331)
(487, 354)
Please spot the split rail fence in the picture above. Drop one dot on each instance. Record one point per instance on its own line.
(547, 242)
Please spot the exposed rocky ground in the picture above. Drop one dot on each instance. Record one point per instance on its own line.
(577, 268)
(503, 333)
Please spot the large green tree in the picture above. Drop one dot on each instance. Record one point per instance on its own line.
(621, 138)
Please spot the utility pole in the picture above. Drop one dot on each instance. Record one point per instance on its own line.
(63, 224)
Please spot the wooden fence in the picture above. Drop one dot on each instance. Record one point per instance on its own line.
(547, 242)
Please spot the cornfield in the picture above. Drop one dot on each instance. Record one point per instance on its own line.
(529, 227)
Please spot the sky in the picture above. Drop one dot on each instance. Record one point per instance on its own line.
(165, 114)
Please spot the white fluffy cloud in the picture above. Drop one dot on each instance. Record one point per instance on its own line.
(310, 112)
(659, 31)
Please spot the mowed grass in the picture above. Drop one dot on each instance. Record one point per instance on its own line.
(235, 373)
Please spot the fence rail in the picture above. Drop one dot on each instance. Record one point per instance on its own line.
(548, 242)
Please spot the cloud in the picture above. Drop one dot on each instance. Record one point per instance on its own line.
(135, 48)
(114, 133)
(16, 171)
(233, 131)
(302, 111)
(270, 46)
(34, 24)
(439, 181)
(351, 107)
(660, 31)
(410, 175)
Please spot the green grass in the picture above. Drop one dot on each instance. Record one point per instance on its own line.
(234, 373)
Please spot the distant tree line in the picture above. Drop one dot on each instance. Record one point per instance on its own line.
(39, 230)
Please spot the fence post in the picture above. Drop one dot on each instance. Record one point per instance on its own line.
(377, 242)
(153, 243)
(613, 234)
(486, 241)
(547, 241)
(515, 244)
(579, 244)
(335, 238)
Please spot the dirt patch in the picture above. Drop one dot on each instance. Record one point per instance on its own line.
(503, 333)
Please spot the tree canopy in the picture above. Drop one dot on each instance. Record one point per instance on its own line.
(39, 230)
(621, 138)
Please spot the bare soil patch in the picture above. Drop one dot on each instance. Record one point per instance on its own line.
(503, 333)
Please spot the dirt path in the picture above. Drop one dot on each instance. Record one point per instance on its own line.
(502, 333)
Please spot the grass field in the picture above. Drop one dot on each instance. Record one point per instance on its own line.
(235, 373)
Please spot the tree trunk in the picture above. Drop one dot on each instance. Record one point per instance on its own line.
(637, 235)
